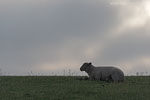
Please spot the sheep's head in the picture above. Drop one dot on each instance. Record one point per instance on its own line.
(85, 66)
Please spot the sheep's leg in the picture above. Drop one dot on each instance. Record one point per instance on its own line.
(115, 77)
(91, 78)
(109, 79)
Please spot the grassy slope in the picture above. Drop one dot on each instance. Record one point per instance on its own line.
(69, 88)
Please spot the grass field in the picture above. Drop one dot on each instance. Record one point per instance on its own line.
(71, 88)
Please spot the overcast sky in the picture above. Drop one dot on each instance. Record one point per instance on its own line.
(45, 36)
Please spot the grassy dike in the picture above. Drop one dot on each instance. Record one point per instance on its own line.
(72, 88)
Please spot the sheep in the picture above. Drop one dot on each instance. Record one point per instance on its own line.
(103, 73)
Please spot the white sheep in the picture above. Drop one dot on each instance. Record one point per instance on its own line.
(104, 73)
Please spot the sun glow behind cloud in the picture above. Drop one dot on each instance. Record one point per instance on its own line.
(132, 16)
(147, 7)
(136, 14)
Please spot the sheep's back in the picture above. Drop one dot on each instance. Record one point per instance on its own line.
(107, 70)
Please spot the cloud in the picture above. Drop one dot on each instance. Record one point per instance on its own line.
(51, 35)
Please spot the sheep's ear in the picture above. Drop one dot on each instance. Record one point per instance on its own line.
(90, 63)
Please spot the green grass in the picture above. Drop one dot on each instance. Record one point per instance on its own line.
(69, 88)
